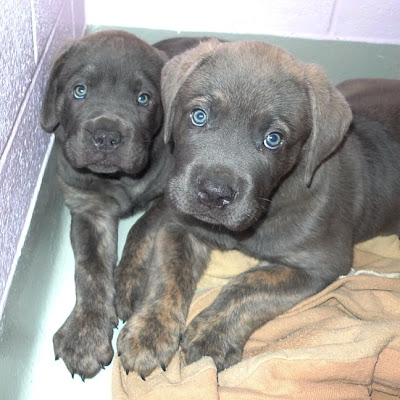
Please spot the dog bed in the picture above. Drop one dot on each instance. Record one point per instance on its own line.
(342, 343)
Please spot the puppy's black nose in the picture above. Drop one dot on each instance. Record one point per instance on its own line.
(215, 193)
(106, 140)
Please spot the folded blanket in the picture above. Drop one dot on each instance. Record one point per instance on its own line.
(343, 343)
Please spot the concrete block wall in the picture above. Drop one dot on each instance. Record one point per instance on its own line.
(32, 32)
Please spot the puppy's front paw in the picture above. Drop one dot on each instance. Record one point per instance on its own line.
(148, 340)
(209, 335)
(84, 343)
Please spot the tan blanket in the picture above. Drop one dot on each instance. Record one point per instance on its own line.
(343, 343)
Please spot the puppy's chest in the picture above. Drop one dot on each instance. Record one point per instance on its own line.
(269, 240)
(131, 194)
(113, 196)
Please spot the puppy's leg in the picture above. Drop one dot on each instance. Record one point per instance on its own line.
(151, 336)
(84, 341)
(131, 273)
(246, 303)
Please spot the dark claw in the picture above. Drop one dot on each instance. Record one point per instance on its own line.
(115, 326)
(57, 358)
(180, 337)
(143, 377)
(102, 366)
(72, 374)
(119, 354)
(83, 379)
(163, 367)
(127, 371)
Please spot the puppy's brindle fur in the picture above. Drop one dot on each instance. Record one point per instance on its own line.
(112, 162)
(333, 181)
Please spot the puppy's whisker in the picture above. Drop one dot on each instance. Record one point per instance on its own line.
(264, 198)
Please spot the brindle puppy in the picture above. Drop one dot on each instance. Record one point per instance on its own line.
(269, 160)
(103, 104)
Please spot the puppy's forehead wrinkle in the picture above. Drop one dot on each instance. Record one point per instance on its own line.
(262, 91)
(125, 72)
(268, 103)
(147, 81)
(74, 73)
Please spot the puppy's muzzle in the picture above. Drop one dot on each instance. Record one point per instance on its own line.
(105, 140)
(215, 193)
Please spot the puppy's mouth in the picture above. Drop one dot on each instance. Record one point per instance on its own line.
(103, 167)
(234, 224)
(103, 163)
(233, 217)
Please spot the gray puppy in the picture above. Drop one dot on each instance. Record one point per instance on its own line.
(269, 160)
(103, 104)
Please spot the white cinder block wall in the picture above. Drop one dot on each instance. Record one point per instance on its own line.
(375, 21)
(31, 34)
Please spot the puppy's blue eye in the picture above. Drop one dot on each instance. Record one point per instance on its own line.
(273, 140)
(80, 91)
(143, 99)
(199, 117)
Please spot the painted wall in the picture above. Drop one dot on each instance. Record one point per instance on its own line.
(353, 20)
(31, 34)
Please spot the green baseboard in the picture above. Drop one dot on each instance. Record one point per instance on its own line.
(341, 59)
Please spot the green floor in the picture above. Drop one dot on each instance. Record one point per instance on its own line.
(42, 292)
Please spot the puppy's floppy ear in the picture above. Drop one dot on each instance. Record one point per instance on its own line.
(48, 114)
(175, 73)
(331, 117)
